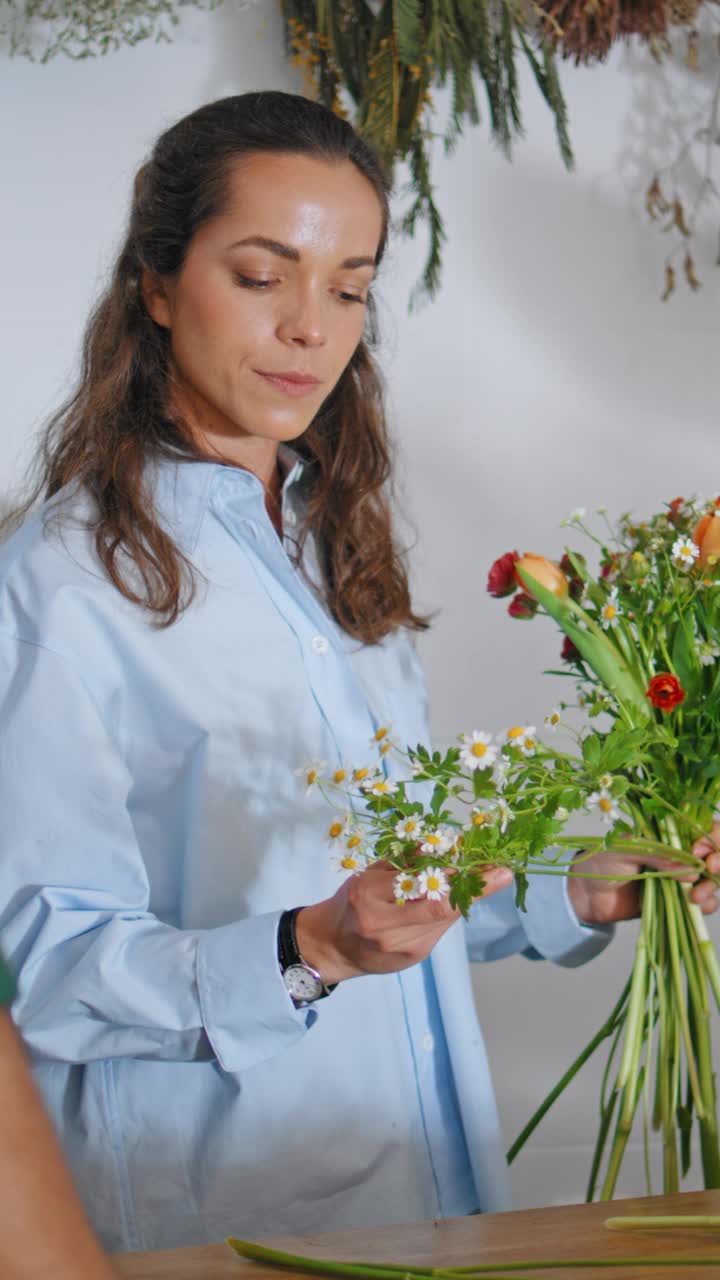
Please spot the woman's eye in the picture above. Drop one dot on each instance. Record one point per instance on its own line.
(249, 282)
(352, 297)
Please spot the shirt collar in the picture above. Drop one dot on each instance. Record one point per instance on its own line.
(182, 489)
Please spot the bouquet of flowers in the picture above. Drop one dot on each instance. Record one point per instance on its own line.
(640, 646)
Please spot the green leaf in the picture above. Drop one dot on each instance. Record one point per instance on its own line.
(406, 22)
(591, 748)
(521, 888)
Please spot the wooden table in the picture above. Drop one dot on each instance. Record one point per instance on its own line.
(568, 1231)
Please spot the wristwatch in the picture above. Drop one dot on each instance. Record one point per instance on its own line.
(303, 983)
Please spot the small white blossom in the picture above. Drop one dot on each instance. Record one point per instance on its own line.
(505, 813)
(501, 774)
(483, 814)
(561, 813)
(312, 773)
(352, 861)
(379, 787)
(517, 735)
(553, 719)
(605, 805)
(577, 515)
(610, 611)
(406, 887)
(684, 553)
(605, 781)
(477, 751)
(409, 828)
(433, 884)
(439, 841)
(708, 653)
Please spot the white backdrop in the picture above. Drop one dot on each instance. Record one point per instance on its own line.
(547, 375)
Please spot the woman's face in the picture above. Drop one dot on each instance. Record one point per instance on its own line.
(270, 303)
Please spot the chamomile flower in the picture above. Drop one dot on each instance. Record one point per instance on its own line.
(684, 553)
(433, 884)
(505, 814)
(502, 769)
(477, 751)
(577, 515)
(605, 781)
(439, 841)
(338, 776)
(352, 861)
(708, 653)
(561, 813)
(410, 828)
(605, 805)
(312, 773)
(338, 828)
(553, 719)
(516, 735)
(483, 814)
(379, 787)
(610, 611)
(528, 746)
(406, 887)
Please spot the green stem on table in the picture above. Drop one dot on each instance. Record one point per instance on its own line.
(606, 1030)
(666, 1222)
(492, 1270)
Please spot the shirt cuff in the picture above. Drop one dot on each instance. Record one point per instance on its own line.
(247, 1011)
(552, 927)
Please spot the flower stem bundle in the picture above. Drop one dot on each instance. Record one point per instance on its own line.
(640, 645)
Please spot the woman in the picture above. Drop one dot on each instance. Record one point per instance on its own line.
(198, 610)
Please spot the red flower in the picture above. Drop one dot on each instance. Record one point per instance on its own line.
(522, 606)
(501, 581)
(675, 511)
(665, 691)
(575, 582)
(569, 652)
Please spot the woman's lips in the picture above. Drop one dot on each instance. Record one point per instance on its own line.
(291, 384)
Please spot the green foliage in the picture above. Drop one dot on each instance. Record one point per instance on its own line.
(382, 62)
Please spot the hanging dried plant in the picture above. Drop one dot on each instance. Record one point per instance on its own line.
(380, 62)
(586, 29)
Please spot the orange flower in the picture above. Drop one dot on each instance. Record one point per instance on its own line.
(544, 571)
(706, 536)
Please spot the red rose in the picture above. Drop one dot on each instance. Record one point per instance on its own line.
(501, 581)
(569, 652)
(665, 691)
(676, 509)
(522, 606)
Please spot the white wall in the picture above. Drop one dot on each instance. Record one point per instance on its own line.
(547, 375)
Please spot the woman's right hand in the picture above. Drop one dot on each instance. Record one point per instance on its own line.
(363, 929)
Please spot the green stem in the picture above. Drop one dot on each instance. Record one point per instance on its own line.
(606, 1030)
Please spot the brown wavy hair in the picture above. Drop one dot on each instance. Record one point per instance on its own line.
(117, 418)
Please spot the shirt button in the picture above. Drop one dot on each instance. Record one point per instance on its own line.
(428, 1043)
(320, 644)
(290, 519)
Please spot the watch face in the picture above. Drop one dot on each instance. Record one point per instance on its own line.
(302, 983)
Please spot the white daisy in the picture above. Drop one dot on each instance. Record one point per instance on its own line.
(528, 746)
(684, 553)
(483, 814)
(351, 861)
(439, 841)
(605, 805)
(406, 887)
(516, 735)
(610, 611)
(312, 773)
(501, 774)
(708, 653)
(505, 813)
(553, 719)
(433, 884)
(409, 828)
(605, 781)
(379, 787)
(477, 751)
(338, 828)
(561, 813)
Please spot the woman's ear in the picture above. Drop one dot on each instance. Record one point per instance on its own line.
(155, 297)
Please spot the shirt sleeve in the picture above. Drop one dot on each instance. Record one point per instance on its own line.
(547, 930)
(98, 974)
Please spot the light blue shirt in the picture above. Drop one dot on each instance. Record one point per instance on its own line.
(154, 829)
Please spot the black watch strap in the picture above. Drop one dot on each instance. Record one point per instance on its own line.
(288, 950)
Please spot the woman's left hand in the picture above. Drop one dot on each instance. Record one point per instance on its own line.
(605, 901)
